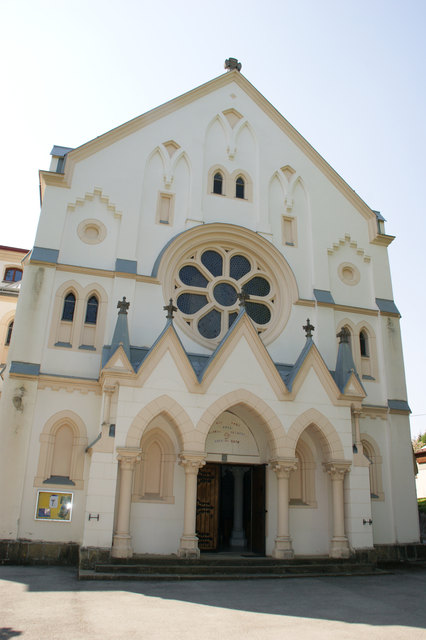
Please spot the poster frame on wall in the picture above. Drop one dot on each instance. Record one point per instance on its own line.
(50, 502)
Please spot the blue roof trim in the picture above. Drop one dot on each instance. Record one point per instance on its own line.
(60, 152)
(379, 215)
(399, 405)
(387, 306)
(322, 295)
(300, 360)
(25, 368)
(42, 254)
(126, 266)
(345, 367)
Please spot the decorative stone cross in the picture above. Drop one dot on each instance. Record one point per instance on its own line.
(232, 63)
(170, 308)
(123, 305)
(343, 335)
(308, 328)
(243, 297)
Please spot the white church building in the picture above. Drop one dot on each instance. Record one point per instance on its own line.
(206, 353)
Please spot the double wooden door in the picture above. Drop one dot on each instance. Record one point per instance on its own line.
(213, 502)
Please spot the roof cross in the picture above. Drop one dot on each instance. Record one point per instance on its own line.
(123, 305)
(308, 327)
(343, 335)
(170, 308)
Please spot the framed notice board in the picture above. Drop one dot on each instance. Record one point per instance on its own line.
(54, 506)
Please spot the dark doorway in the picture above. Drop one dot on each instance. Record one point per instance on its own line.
(231, 508)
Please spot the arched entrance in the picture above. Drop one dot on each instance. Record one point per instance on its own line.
(231, 487)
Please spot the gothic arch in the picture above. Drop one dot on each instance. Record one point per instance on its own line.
(179, 421)
(329, 438)
(61, 419)
(263, 413)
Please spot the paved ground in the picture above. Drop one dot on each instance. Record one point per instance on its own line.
(49, 603)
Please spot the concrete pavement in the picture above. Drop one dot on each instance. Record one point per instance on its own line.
(48, 603)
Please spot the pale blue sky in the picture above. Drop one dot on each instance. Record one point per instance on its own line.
(348, 74)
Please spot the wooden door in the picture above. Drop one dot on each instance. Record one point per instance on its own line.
(208, 506)
(258, 496)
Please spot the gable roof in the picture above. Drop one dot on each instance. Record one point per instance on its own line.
(155, 114)
(199, 370)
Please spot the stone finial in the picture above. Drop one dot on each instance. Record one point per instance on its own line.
(343, 335)
(170, 308)
(308, 327)
(232, 63)
(242, 298)
(123, 305)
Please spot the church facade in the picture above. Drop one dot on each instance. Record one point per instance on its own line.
(206, 353)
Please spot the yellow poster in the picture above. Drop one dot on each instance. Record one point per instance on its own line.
(54, 505)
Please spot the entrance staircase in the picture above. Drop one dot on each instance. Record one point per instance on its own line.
(225, 567)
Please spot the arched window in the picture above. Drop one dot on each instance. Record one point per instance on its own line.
(371, 452)
(153, 480)
(239, 187)
(62, 452)
(363, 344)
(218, 183)
(69, 306)
(9, 334)
(91, 310)
(12, 274)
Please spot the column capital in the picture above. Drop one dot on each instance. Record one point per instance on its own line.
(128, 456)
(191, 462)
(109, 389)
(283, 466)
(337, 468)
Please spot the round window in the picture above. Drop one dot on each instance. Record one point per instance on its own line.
(207, 286)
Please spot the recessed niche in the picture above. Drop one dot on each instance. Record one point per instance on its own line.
(348, 273)
(91, 231)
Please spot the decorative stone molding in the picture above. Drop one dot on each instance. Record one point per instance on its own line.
(191, 463)
(122, 542)
(339, 545)
(283, 544)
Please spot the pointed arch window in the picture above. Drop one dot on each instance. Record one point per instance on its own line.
(69, 307)
(363, 344)
(240, 187)
(9, 334)
(91, 310)
(218, 183)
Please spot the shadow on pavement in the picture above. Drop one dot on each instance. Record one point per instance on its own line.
(396, 599)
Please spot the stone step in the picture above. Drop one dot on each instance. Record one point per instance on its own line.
(85, 574)
(200, 568)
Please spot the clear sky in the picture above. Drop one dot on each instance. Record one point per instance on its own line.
(348, 74)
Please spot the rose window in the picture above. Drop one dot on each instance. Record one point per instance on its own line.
(207, 284)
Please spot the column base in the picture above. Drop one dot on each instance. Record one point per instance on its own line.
(339, 547)
(238, 540)
(283, 548)
(189, 547)
(122, 546)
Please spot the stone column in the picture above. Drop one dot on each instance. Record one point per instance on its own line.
(189, 541)
(238, 538)
(283, 547)
(339, 546)
(122, 541)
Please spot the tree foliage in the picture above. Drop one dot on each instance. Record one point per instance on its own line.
(419, 442)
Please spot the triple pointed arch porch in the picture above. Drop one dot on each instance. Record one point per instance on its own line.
(191, 439)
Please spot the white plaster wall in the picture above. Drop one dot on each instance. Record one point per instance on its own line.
(421, 481)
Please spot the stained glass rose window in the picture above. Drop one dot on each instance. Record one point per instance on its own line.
(206, 291)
